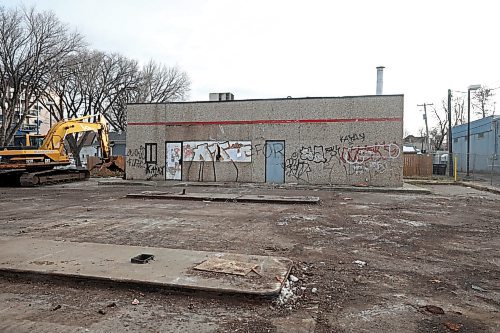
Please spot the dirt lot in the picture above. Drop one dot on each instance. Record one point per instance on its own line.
(440, 249)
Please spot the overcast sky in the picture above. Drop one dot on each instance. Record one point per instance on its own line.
(270, 49)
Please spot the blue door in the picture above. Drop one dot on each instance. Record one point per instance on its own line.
(275, 161)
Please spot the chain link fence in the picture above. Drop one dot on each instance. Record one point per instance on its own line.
(482, 167)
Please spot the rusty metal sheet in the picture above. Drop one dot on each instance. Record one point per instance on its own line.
(218, 265)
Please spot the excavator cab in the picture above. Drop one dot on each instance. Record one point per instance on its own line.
(28, 141)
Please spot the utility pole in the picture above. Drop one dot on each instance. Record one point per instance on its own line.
(427, 141)
(471, 87)
(450, 138)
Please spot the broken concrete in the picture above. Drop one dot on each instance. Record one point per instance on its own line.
(171, 268)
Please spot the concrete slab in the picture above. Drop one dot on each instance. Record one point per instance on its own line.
(171, 268)
(405, 189)
(482, 186)
(226, 197)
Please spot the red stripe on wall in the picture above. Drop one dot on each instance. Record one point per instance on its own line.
(277, 121)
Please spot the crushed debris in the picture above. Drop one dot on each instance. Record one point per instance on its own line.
(289, 291)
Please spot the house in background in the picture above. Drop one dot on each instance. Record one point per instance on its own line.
(416, 142)
(484, 142)
(117, 142)
(91, 146)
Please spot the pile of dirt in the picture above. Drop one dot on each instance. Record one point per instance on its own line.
(114, 168)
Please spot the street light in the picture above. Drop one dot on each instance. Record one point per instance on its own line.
(471, 87)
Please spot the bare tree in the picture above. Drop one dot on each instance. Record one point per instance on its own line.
(422, 135)
(91, 83)
(440, 131)
(33, 46)
(458, 115)
(158, 84)
(482, 100)
(162, 84)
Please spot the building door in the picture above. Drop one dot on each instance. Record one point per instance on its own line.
(173, 160)
(275, 161)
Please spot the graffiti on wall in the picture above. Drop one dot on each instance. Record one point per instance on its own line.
(352, 138)
(374, 158)
(352, 156)
(154, 171)
(136, 157)
(355, 160)
(299, 165)
(225, 151)
(268, 149)
(213, 152)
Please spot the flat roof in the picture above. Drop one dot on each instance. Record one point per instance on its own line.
(270, 99)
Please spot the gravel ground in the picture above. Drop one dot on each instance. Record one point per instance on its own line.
(365, 262)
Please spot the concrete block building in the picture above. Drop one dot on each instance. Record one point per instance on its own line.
(324, 140)
(484, 145)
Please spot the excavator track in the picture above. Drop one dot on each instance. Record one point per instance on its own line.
(54, 176)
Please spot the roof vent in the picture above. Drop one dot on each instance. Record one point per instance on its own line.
(218, 97)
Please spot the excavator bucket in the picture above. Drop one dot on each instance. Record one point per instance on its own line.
(115, 167)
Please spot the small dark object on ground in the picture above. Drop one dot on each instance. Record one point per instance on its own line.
(57, 307)
(101, 312)
(142, 258)
(433, 309)
(111, 305)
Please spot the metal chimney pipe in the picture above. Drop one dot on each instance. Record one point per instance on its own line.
(380, 79)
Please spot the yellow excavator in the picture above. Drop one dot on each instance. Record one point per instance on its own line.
(27, 166)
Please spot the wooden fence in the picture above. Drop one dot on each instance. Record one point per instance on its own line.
(415, 165)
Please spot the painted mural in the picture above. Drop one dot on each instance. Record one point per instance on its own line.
(173, 160)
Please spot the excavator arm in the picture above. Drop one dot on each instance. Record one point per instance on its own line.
(54, 140)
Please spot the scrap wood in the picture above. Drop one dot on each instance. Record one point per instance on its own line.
(255, 271)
